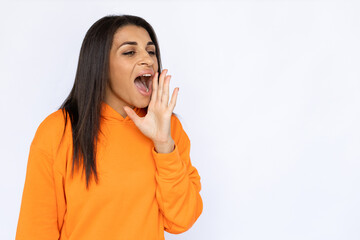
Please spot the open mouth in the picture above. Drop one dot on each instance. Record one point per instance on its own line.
(143, 83)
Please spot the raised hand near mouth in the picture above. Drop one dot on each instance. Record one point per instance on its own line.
(156, 124)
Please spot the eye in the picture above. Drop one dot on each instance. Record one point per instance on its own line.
(152, 52)
(129, 53)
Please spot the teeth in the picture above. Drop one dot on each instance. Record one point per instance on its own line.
(147, 75)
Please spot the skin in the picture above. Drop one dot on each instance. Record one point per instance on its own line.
(125, 63)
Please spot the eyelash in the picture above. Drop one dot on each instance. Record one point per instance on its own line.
(133, 52)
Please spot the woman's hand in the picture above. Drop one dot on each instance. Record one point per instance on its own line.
(156, 125)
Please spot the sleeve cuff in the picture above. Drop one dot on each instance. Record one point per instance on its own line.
(168, 164)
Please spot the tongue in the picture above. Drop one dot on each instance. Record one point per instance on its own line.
(139, 84)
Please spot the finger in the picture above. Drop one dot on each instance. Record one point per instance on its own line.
(154, 88)
(165, 95)
(173, 99)
(161, 83)
(132, 115)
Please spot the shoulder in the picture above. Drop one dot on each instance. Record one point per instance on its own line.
(50, 131)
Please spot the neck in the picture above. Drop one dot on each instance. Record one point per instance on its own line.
(118, 106)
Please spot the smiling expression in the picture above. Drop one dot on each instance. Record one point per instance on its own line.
(132, 54)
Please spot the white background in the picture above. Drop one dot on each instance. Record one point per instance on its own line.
(269, 96)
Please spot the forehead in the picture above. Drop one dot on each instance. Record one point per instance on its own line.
(131, 33)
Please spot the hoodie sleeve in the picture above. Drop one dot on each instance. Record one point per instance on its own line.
(178, 184)
(39, 212)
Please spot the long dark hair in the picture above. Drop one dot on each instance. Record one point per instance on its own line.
(83, 105)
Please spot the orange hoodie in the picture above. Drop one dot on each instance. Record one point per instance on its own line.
(140, 192)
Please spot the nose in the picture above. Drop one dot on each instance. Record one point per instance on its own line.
(146, 59)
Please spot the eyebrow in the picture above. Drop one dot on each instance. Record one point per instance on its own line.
(135, 43)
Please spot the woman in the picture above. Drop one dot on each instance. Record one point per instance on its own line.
(113, 162)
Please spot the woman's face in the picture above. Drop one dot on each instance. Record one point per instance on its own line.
(132, 65)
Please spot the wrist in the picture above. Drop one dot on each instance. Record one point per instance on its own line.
(164, 146)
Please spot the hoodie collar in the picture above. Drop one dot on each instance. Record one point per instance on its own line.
(110, 114)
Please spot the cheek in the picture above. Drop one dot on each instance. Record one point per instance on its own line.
(119, 73)
(156, 65)
(117, 68)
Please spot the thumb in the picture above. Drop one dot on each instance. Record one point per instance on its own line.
(132, 115)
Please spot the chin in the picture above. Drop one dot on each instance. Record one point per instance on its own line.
(142, 104)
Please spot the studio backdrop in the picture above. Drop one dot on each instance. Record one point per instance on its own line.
(269, 96)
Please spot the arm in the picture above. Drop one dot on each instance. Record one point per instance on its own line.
(38, 217)
(179, 185)
(178, 181)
